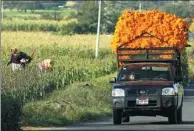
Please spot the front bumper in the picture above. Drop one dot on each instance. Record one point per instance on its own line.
(155, 103)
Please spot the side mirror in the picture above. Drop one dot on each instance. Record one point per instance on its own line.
(112, 80)
(178, 79)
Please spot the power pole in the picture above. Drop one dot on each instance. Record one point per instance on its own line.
(173, 6)
(98, 28)
(140, 6)
(1, 85)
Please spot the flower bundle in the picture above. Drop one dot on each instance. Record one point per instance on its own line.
(133, 28)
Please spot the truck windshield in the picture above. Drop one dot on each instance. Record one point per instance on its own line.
(143, 72)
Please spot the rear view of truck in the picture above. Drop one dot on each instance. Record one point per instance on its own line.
(148, 46)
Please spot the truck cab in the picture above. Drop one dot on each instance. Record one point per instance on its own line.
(149, 83)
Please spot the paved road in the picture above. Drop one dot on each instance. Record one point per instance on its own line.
(189, 92)
(140, 123)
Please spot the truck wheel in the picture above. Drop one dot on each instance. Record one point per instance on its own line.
(172, 117)
(125, 119)
(117, 116)
(179, 114)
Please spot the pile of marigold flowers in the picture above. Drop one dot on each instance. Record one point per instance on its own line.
(133, 28)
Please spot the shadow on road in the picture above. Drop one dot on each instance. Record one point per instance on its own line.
(166, 122)
(136, 123)
(161, 123)
(188, 122)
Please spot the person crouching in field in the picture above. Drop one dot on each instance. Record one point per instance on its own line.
(46, 65)
(18, 59)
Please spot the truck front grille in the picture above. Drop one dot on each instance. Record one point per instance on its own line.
(152, 91)
(146, 92)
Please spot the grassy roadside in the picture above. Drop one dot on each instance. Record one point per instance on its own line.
(190, 52)
(78, 102)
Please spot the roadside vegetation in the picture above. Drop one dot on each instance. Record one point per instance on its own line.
(78, 102)
(35, 25)
(190, 51)
(74, 61)
(37, 15)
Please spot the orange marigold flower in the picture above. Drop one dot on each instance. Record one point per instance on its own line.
(167, 27)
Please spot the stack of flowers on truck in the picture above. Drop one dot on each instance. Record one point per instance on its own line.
(135, 29)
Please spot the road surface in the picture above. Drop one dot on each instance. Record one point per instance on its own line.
(189, 92)
(138, 123)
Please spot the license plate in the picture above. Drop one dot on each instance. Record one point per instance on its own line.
(142, 101)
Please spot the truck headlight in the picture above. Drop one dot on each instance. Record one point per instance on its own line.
(168, 91)
(118, 92)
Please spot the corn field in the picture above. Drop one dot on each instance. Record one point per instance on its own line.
(73, 61)
(34, 25)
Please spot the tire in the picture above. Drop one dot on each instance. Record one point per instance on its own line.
(179, 114)
(125, 119)
(172, 116)
(117, 116)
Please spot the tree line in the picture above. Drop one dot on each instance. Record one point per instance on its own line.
(87, 12)
(33, 5)
(87, 15)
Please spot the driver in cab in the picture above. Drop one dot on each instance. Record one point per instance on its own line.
(129, 77)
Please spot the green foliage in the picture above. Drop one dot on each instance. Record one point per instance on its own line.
(88, 13)
(37, 14)
(11, 110)
(190, 52)
(71, 65)
(33, 5)
(54, 16)
(70, 29)
(76, 103)
(79, 65)
(87, 18)
(109, 19)
(185, 67)
(35, 25)
(181, 9)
